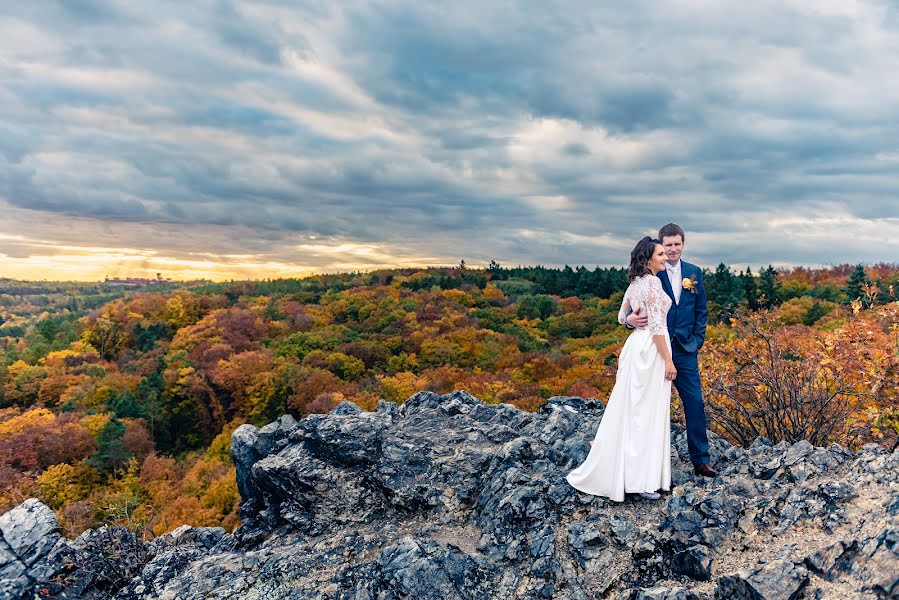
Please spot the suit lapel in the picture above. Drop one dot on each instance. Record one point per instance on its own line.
(688, 270)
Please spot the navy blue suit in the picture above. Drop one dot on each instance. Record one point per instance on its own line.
(686, 327)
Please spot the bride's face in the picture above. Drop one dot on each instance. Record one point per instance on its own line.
(658, 259)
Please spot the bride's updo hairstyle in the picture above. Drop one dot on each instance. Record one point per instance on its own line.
(640, 255)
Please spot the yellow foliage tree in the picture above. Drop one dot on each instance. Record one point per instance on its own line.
(96, 422)
(397, 388)
(63, 483)
(31, 418)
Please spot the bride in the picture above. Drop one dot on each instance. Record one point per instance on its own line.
(632, 449)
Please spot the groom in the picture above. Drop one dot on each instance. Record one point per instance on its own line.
(687, 318)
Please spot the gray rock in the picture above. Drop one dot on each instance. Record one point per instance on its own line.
(586, 541)
(830, 562)
(421, 569)
(346, 408)
(888, 587)
(694, 562)
(835, 492)
(11, 567)
(166, 558)
(448, 497)
(664, 593)
(15, 587)
(876, 566)
(623, 530)
(244, 454)
(797, 452)
(544, 561)
(780, 580)
(893, 506)
(248, 445)
(29, 531)
(96, 564)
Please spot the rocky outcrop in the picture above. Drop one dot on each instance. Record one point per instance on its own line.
(446, 497)
(27, 533)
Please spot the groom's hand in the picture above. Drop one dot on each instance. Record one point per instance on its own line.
(636, 320)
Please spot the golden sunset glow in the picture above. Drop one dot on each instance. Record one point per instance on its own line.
(59, 262)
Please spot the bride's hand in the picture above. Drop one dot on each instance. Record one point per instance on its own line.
(670, 371)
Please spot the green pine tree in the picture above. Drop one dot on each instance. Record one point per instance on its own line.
(725, 292)
(769, 287)
(750, 289)
(814, 314)
(857, 281)
(110, 454)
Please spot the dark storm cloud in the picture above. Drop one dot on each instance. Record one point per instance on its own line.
(13, 144)
(575, 149)
(236, 32)
(552, 132)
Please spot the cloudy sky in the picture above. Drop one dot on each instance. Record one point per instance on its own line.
(231, 139)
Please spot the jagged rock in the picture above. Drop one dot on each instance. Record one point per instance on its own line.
(829, 561)
(781, 580)
(622, 529)
(694, 562)
(28, 533)
(11, 567)
(346, 408)
(96, 564)
(893, 506)
(587, 541)
(421, 569)
(249, 444)
(663, 593)
(171, 555)
(448, 497)
(877, 563)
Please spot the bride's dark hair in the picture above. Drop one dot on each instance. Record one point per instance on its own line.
(640, 255)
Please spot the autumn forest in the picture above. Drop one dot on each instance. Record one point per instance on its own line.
(117, 405)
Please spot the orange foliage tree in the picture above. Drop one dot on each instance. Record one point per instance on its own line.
(792, 383)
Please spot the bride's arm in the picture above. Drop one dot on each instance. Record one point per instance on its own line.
(660, 342)
(658, 326)
(625, 309)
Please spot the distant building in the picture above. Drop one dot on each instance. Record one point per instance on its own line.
(134, 281)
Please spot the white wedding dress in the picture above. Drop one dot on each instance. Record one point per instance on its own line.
(632, 449)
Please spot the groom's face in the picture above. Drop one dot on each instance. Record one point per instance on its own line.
(674, 247)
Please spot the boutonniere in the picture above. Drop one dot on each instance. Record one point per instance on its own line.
(689, 285)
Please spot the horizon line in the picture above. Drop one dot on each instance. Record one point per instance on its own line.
(738, 268)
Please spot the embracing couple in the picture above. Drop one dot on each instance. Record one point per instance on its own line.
(665, 304)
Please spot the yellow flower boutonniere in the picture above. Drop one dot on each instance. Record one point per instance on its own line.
(689, 285)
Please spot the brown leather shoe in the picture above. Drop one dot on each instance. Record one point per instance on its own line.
(705, 470)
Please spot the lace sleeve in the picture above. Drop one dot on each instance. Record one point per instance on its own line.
(657, 304)
(625, 308)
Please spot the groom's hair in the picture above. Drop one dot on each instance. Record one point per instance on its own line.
(670, 230)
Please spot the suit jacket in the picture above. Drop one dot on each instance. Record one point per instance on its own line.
(687, 320)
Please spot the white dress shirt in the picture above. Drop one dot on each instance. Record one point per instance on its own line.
(675, 278)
